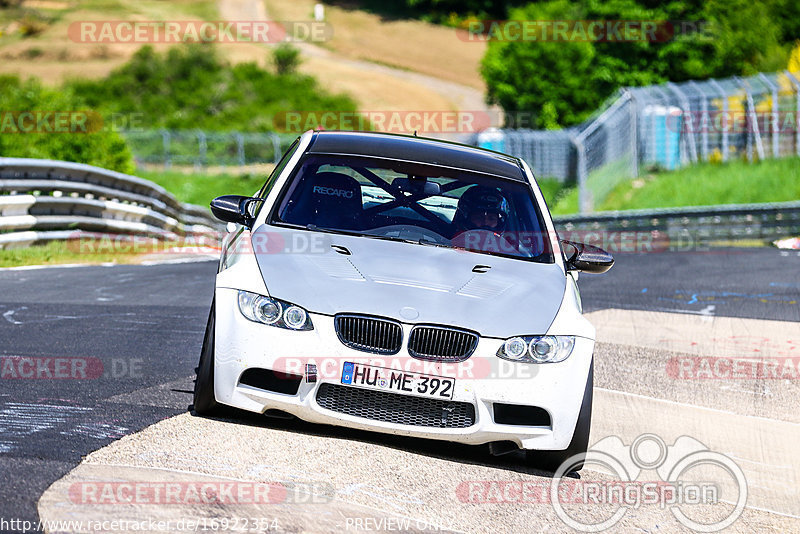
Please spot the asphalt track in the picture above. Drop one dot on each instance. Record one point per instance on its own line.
(144, 324)
(752, 283)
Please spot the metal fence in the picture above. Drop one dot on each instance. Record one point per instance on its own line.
(664, 127)
(683, 228)
(206, 149)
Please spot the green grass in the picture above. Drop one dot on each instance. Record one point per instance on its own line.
(738, 182)
(200, 189)
(705, 184)
(552, 189)
(567, 202)
(59, 253)
(90, 250)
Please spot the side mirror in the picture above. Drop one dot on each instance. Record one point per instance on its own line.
(235, 208)
(587, 258)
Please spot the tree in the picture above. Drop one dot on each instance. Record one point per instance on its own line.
(574, 77)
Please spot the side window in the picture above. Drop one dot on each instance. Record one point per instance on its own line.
(264, 191)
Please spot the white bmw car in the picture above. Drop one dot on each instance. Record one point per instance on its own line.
(406, 286)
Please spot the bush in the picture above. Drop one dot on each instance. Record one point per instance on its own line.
(32, 24)
(102, 148)
(286, 58)
(191, 87)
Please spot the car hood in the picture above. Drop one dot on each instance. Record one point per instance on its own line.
(409, 282)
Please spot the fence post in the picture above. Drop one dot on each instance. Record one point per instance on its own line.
(725, 116)
(796, 86)
(775, 133)
(704, 121)
(202, 149)
(276, 147)
(634, 118)
(239, 148)
(687, 112)
(165, 139)
(752, 131)
(584, 197)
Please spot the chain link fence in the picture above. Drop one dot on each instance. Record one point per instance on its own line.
(663, 127)
(205, 149)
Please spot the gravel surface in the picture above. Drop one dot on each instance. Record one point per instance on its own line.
(120, 313)
(644, 371)
(429, 484)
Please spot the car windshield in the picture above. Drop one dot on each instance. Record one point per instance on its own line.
(415, 202)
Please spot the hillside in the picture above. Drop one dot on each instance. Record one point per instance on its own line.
(382, 64)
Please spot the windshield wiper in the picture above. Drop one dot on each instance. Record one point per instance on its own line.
(315, 228)
(424, 241)
(388, 238)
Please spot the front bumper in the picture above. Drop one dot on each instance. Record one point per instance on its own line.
(482, 380)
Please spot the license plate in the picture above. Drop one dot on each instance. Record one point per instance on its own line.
(392, 380)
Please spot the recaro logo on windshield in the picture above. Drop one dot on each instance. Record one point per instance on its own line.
(333, 192)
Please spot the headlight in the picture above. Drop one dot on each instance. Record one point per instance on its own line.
(267, 310)
(537, 349)
(295, 317)
(514, 348)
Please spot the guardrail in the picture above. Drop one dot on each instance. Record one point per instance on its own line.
(45, 200)
(694, 225)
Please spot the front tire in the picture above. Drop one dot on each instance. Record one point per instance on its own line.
(205, 403)
(552, 460)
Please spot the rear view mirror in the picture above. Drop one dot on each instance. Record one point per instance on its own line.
(586, 258)
(235, 209)
(418, 186)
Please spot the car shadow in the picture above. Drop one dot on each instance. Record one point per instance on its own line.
(442, 450)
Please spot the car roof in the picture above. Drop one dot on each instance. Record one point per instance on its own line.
(417, 149)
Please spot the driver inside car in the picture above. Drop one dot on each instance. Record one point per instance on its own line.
(481, 208)
(485, 209)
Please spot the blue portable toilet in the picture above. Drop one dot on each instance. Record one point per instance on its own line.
(493, 139)
(664, 124)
